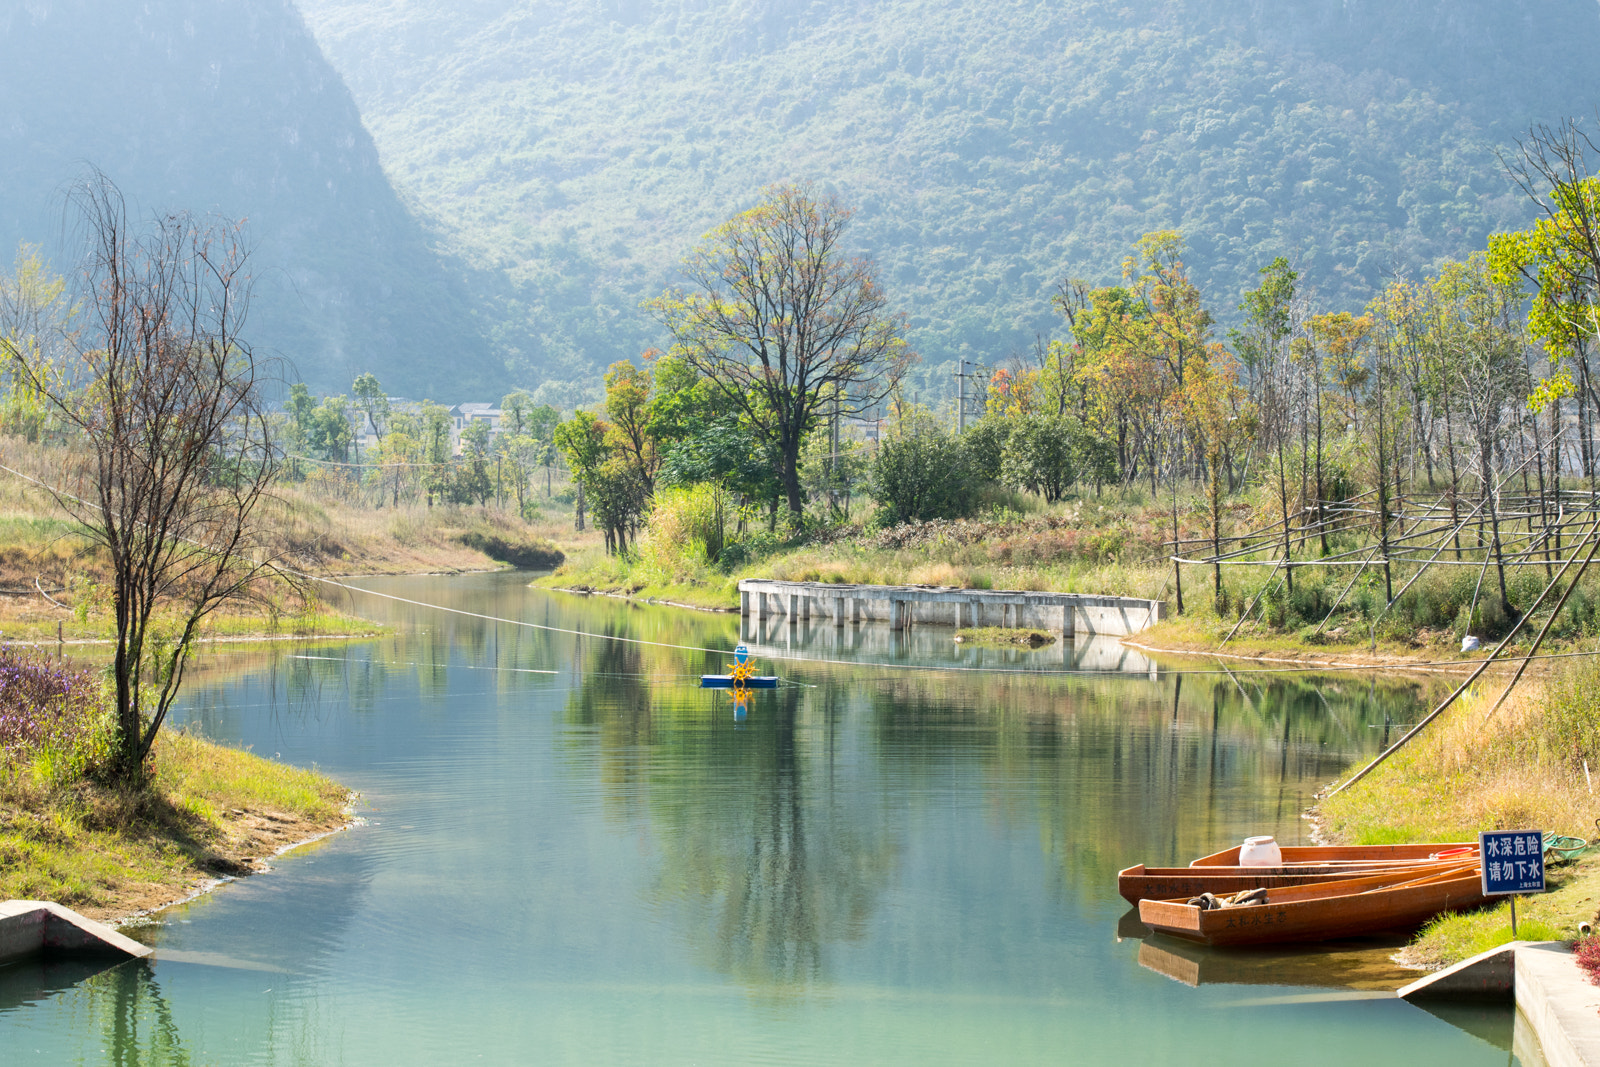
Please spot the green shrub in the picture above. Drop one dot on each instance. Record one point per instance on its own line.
(1039, 455)
(985, 443)
(922, 472)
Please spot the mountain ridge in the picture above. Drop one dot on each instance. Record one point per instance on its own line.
(579, 150)
(230, 108)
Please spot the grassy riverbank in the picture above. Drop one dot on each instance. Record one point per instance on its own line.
(110, 852)
(109, 849)
(1115, 545)
(1520, 768)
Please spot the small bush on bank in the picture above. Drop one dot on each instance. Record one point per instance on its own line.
(1588, 953)
(923, 472)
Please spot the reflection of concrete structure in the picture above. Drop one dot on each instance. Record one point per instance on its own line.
(774, 638)
(1071, 614)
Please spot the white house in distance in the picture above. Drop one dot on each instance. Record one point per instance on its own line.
(461, 416)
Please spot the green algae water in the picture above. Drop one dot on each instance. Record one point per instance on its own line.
(572, 855)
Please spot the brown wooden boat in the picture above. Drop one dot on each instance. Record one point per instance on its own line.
(1294, 855)
(1161, 883)
(1349, 907)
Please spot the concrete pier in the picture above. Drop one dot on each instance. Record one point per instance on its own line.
(1560, 1004)
(28, 927)
(902, 606)
(1550, 990)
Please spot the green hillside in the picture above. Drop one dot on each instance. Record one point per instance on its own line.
(577, 149)
(229, 106)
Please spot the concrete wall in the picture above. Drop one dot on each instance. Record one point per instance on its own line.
(32, 926)
(1067, 613)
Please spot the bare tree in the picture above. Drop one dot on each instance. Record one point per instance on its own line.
(1477, 324)
(172, 453)
(784, 323)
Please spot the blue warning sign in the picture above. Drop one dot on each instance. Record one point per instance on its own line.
(1513, 861)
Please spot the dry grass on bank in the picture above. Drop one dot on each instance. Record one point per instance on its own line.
(1521, 768)
(964, 567)
(1006, 637)
(328, 537)
(54, 581)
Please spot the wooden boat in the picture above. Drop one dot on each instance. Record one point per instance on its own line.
(1349, 907)
(1294, 855)
(1161, 883)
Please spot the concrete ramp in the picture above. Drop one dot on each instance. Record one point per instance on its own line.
(28, 927)
(1489, 976)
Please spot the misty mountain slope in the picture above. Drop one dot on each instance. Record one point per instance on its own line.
(990, 147)
(229, 106)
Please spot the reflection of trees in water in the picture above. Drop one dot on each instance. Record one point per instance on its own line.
(125, 1006)
(773, 871)
(1123, 771)
(759, 862)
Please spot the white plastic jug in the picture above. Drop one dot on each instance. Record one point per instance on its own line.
(1260, 852)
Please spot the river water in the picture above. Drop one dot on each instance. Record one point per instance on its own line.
(573, 855)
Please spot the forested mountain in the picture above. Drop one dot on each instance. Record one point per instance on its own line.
(990, 147)
(229, 106)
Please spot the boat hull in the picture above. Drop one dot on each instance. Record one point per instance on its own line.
(1160, 883)
(1354, 907)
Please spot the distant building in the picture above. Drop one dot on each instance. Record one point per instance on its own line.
(463, 414)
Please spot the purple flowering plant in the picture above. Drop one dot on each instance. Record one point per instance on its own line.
(50, 708)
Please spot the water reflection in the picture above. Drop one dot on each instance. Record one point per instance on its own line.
(758, 865)
(768, 864)
(1348, 965)
(122, 1009)
(878, 865)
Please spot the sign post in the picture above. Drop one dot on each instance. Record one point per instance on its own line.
(1512, 863)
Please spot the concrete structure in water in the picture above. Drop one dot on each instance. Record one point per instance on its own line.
(1070, 614)
(1550, 990)
(34, 927)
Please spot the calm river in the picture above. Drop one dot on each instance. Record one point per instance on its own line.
(572, 855)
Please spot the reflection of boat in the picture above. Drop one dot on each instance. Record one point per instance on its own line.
(1129, 926)
(1363, 966)
(1352, 907)
(1300, 854)
(1161, 883)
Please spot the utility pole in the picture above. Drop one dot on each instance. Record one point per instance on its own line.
(963, 400)
(961, 397)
